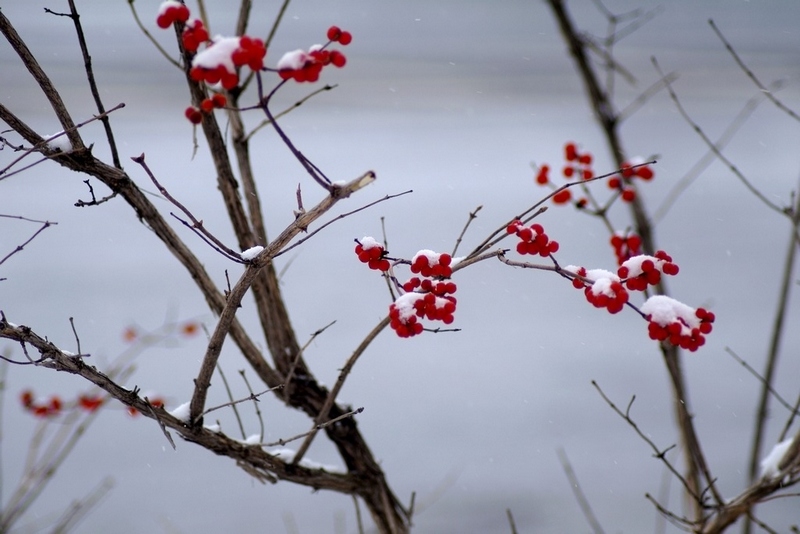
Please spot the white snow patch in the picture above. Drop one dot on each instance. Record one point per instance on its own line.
(251, 253)
(368, 242)
(181, 412)
(253, 439)
(770, 463)
(294, 60)
(59, 143)
(218, 53)
(664, 310)
(213, 428)
(162, 9)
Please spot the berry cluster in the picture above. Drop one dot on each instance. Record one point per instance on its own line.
(170, 12)
(405, 311)
(432, 264)
(428, 296)
(302, 66)
(622, 183)
(371, 252)
(677, 323)
(195, 115)
(336, 35)
(533, 240)
(642, 271)
(605, 291)
(49, 408)
(219, 61)
(578, 165)
(626, 246)
(90, 403)
(194, 34)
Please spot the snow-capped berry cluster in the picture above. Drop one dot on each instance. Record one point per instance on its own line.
(170, 12)
(533, 240)
(428, 296)
(194, 34)
(642, 271)
(405, 312)
(372, 253)
(626, 246)
(677, 323)
(302, 66)
(208, 105)
(219, 61)
(622, 183)
(432, 264)
(605, 291)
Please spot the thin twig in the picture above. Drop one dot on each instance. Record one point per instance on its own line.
(19, 248)
(765, 90)
(763, 381)
(343, 374)
(472, 216)
(710, 144)
(320, 426)
(232, 402)
(660, 454)
(511, 523)
(583, 502)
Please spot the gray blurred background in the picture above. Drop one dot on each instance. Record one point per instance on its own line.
(453, 99)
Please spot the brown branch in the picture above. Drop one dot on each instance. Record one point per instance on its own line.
(234, 299)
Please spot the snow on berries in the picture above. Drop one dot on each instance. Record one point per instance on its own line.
(642, 271)
(427, 296)
(677, 323)
(432, 264)
(170, 12)
(194, 34)
(302, 66)
(533, 239)
(603, 289)
(372, 253)
(219, 61)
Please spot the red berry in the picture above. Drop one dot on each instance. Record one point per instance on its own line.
(628, 195)
(614, 183)
(562, 197)
(338, 59)
(345, 38)
(585, 159)
(570, 152)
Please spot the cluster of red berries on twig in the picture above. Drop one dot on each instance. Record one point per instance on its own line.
(626, 246)
(642, 271)
(533, 240)
(49, 408)
(194, 34)
(623, 181)
(215, 101)
(674, 322)
(577, 165)
(372, 253)
(218, 63)
(428, 296)
(54, 405)
(302, 66)
(170, 12)
(605, 290)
